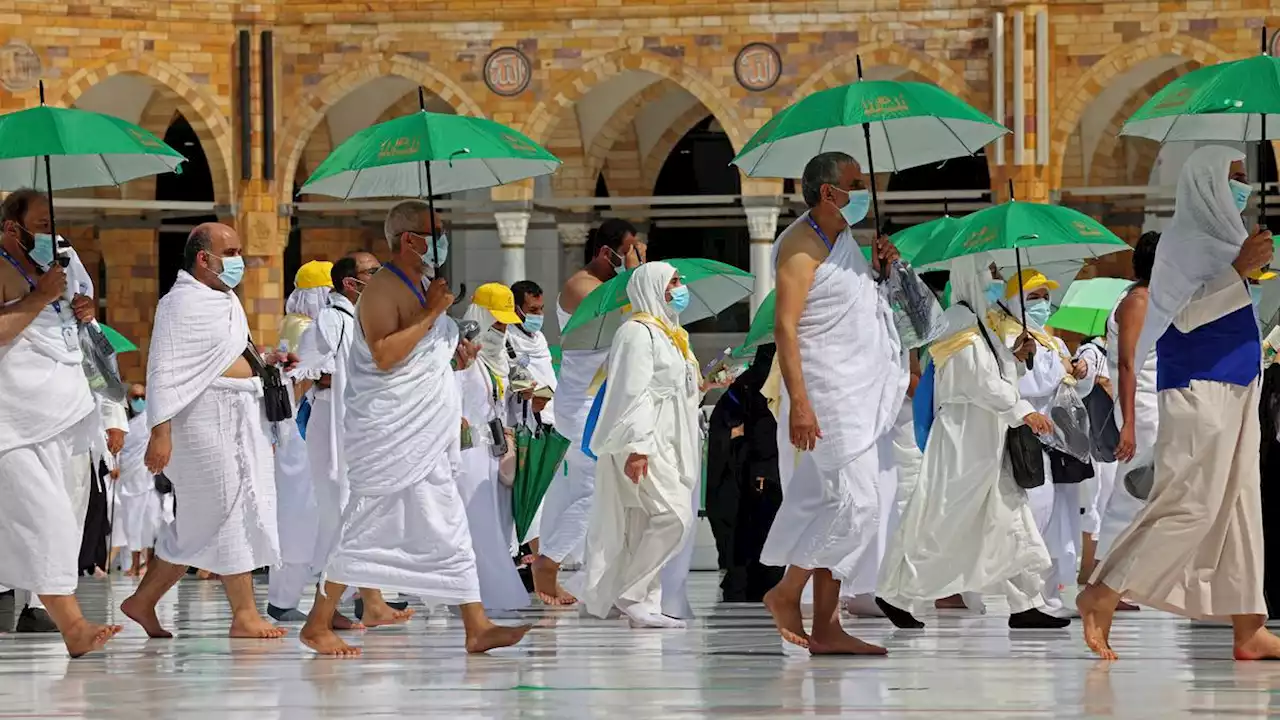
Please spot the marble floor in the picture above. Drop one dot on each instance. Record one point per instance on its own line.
(728, 664)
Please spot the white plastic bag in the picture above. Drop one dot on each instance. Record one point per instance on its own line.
(99, 364)
(916, 310)
(1070, 424)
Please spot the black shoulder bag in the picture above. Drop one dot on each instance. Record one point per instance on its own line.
(277, 401)
(1022, 445)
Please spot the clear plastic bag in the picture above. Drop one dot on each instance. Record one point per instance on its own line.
(99, 364)
(916, 310)
(1070, 424)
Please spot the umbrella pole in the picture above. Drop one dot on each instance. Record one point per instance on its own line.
(431, 205)
(871, 180)
(61, 257)
(1262, 147)
(1022, 301)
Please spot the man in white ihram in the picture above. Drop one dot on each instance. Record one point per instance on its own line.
(210, 436)
(844, 381)
(405, 527)
(47, 419)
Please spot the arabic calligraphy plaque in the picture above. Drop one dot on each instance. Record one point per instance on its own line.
(507, 72)
(19, 67)
(757, 67)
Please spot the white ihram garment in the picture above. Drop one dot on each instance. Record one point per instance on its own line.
(650, 408)
(835, 502)
(567, 504)
(490, 522)
(138, 513)
(967, 526)
(405, 526)
(221, 466)
(47, 417)
(1095, 492)
(1122, 507)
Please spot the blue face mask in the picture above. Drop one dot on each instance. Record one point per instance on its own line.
(532, 323)
(429, 257)
(1038, 312)
(139, 405)
(44, 250)
(679, 298)
(856, 209)
(232, 271)
(995, 292)
(1240, 192)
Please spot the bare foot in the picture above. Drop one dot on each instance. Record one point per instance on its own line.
(496, 636)
(144, 615)
(787, 616)
(252, 625)
(342, 622)
(955, 602)
(99, 573)
(1123, 606)
(85, 637)
(1262, 645)
(380, 613)
(1097, 606)
(131, 572)
(545, 586)
(838, 642)
(325, 642)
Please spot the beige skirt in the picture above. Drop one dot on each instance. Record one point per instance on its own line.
(1196, 548)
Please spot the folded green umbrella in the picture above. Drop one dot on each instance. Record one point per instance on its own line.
(539, 455)
(119, 343)
(1087, 305)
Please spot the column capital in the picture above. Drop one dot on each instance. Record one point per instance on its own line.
(762, 222)
(573, 234)
(513, 227)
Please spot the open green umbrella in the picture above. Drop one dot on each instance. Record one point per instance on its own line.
(713, 287)
(119, 343)
(1040, 233)
(1087, 305)
(911, 124)
(761, 330)
(539, 455)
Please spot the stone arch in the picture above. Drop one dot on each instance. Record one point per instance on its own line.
(843, 70)
(1070, 107)
(657, 155)
(1115, 155)
(566, 91)
(309, 105)
(201, 109)
(617, 129)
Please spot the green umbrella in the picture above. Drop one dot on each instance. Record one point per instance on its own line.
(1087, 305)
(1227, 102)
(1040, 233)
(539, 454)
(119, 343)
(910, 124)
(761, 330)
(713, 287)
(556, 355)
(62, 149)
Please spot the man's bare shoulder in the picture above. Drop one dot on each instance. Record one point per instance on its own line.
(13, 286)
(385, 296)
(577, 289)
(800, 243)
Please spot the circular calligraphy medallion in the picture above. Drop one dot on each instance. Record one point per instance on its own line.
(757, 67)
(19, 67)
(507, 72)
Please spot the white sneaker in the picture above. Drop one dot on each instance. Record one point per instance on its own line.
(655, 620)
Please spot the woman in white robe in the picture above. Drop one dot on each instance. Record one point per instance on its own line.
(967, 526)
(649, 462)
(1095, 492)
(138, 511)
(484, 387)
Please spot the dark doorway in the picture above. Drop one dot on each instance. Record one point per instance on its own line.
(699, 165)
(962, 173)
(193, 184)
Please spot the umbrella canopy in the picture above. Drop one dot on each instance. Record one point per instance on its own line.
(1040, 233)
(391, 159)
(713, 287)
(911, 124)
(84, 149)
(1087, 305)
(539, 456)
(761, 330)
(1225, 102)
(119, 343)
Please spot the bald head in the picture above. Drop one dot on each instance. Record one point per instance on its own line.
(208, 245)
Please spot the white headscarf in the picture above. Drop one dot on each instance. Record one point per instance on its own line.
(970, 276)
(308, 302)
(647, 291)
(493, 344)
(1202, 240)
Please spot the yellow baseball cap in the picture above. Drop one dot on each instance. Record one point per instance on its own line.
(1032, 279)
(498, 300)
(314, 274)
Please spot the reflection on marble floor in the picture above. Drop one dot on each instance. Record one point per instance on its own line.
(728, 664)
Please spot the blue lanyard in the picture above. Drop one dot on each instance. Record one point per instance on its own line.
(823, 236)
(57, 307)
(405, 279)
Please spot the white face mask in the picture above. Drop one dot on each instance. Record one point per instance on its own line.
(493, 347)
